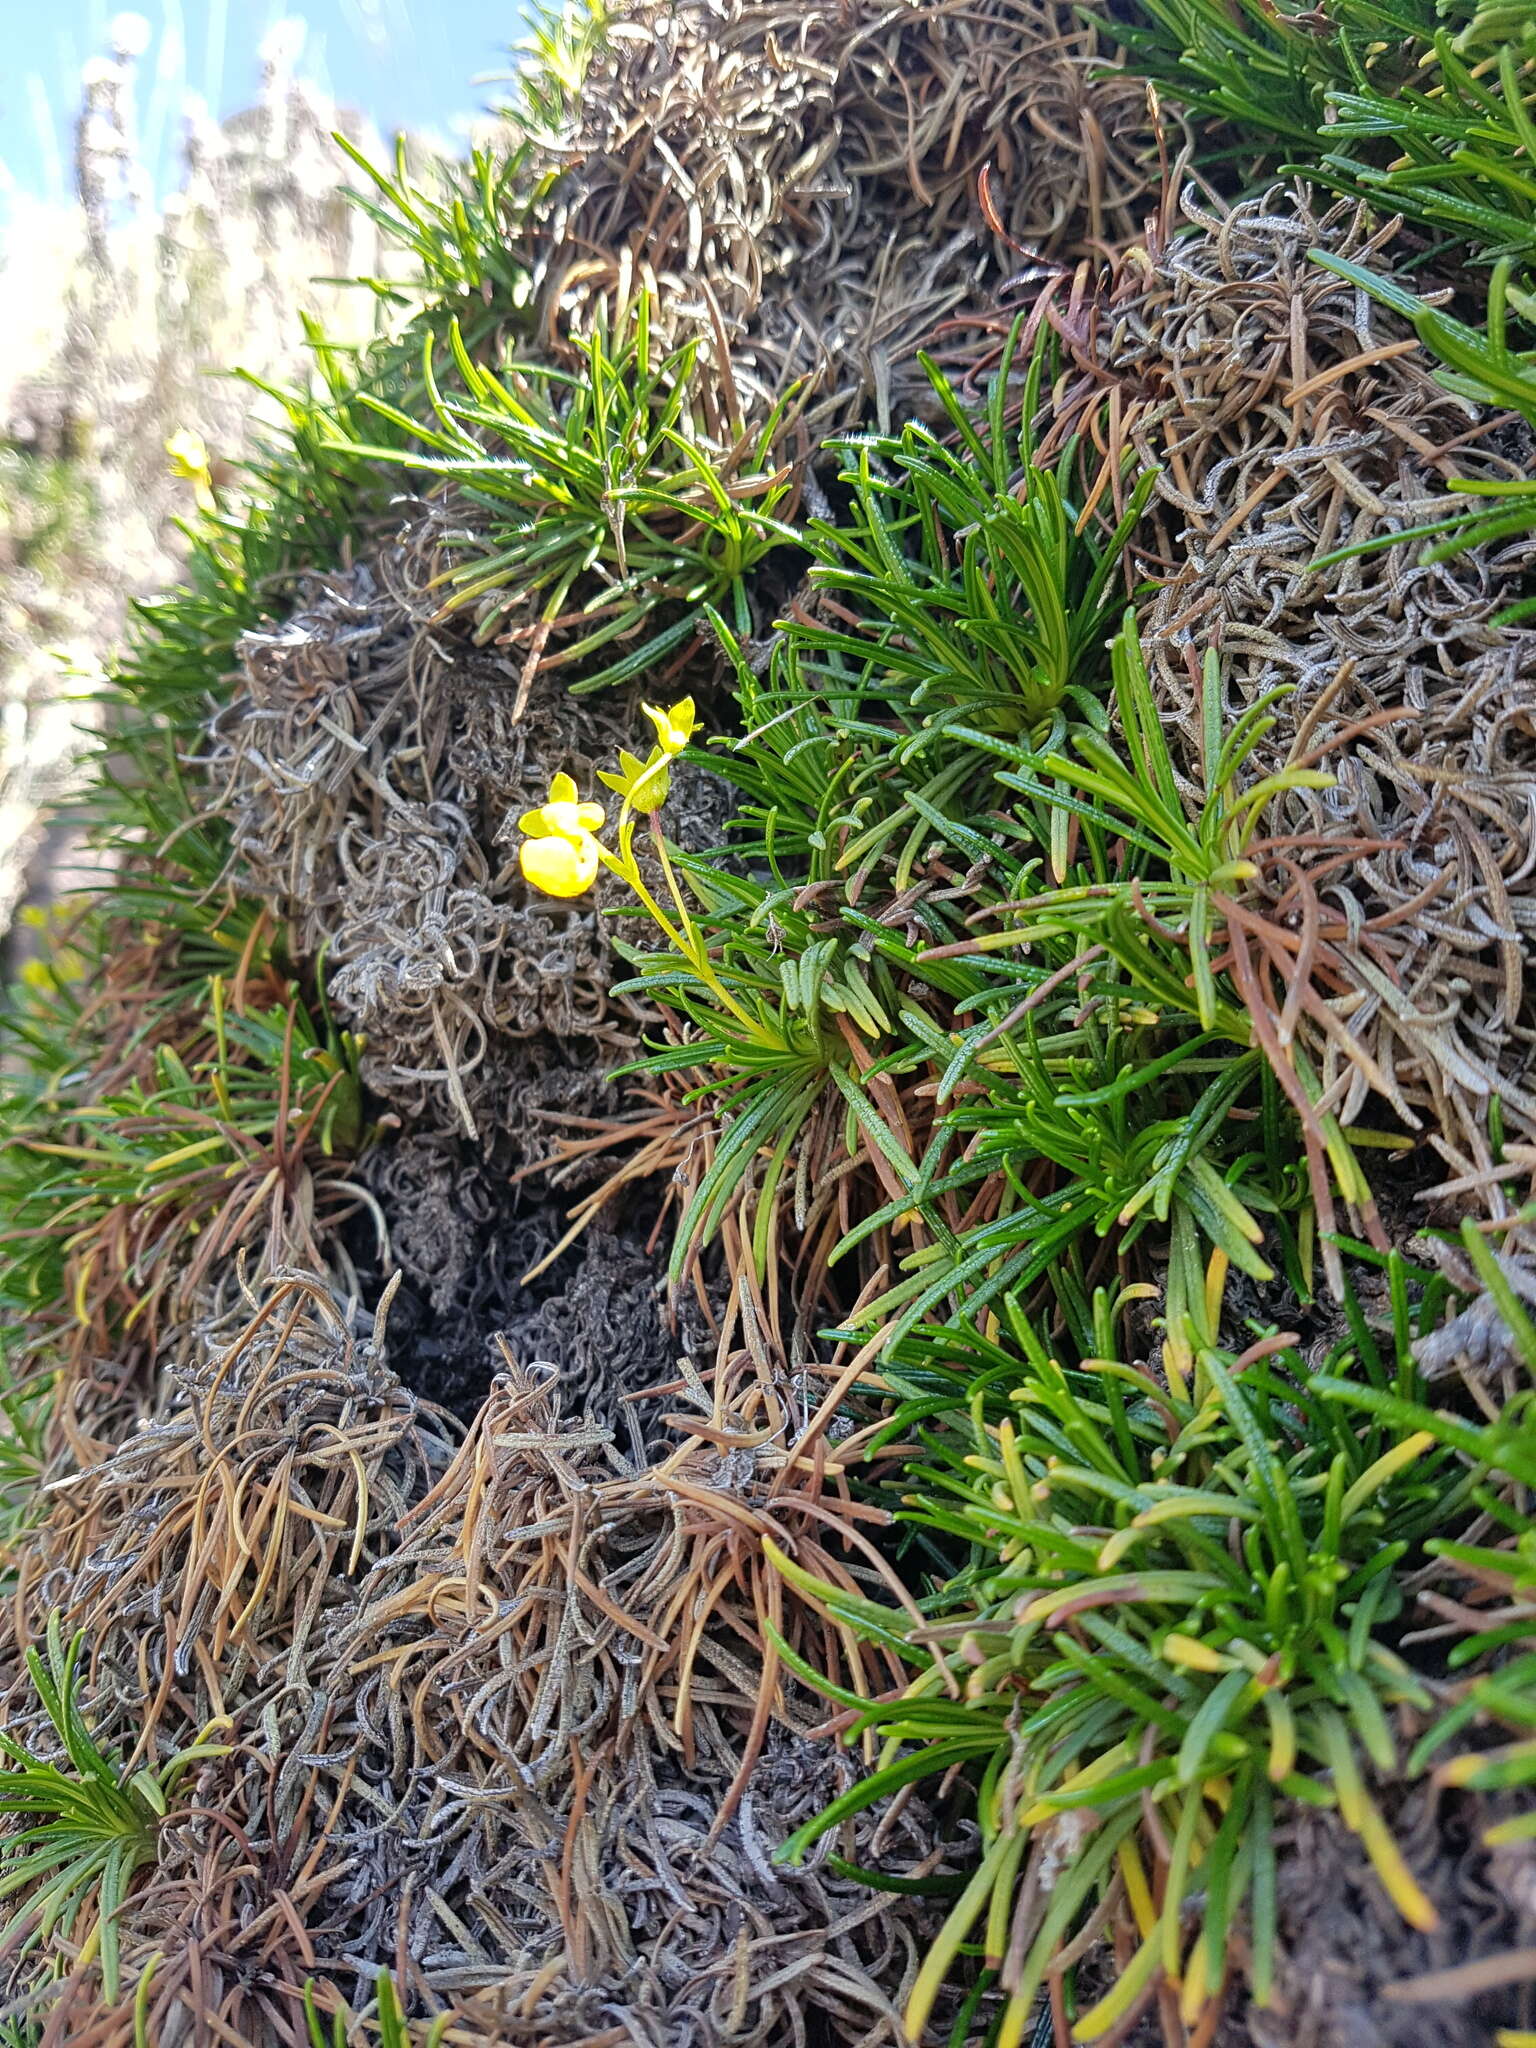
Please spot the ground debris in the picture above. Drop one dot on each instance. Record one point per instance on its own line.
(1478, 1339)
(1354, 1975)
(501, 1709)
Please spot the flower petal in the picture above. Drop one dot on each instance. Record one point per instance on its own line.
(563, 817)
(674, 727)
(532, 822)
(556, 867)
(188, 453)
(590, 817)
(562, 790)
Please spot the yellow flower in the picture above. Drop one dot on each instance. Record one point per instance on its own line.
(675, 727)
(559, 855)
(563, 817)
(189, 460)
(188, 452)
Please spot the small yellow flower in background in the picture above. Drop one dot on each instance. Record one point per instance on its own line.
(189, 460)
(675, 726)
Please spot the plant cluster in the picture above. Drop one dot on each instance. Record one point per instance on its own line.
(1421, 107)
(93, 1826)
(1108, 908)
(1181, 1608)
(618, 510)
(944, 708)
(819, 205)
(1427, 109)
(207, 1134)
(1170, 1600)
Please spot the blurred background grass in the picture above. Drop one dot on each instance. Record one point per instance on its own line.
(170, 201)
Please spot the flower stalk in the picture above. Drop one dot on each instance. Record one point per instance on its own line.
(561, 852)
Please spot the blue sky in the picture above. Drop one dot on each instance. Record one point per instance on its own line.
(405, 63)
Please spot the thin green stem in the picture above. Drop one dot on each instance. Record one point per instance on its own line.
(685, 941)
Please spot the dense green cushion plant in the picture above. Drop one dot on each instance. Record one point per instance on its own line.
(1172, 1606)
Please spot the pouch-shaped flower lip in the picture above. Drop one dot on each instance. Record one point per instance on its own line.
(563, 817)
(559, 866)
(675, 726)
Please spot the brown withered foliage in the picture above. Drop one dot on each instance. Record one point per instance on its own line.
(822, 191)
(505, 1714)
(170, 1193)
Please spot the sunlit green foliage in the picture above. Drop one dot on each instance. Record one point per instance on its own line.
(611, 507)
(1176, 1596)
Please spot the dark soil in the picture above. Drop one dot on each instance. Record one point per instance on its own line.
(1349, 1962)
(1350, 1958)
(463, 1235)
